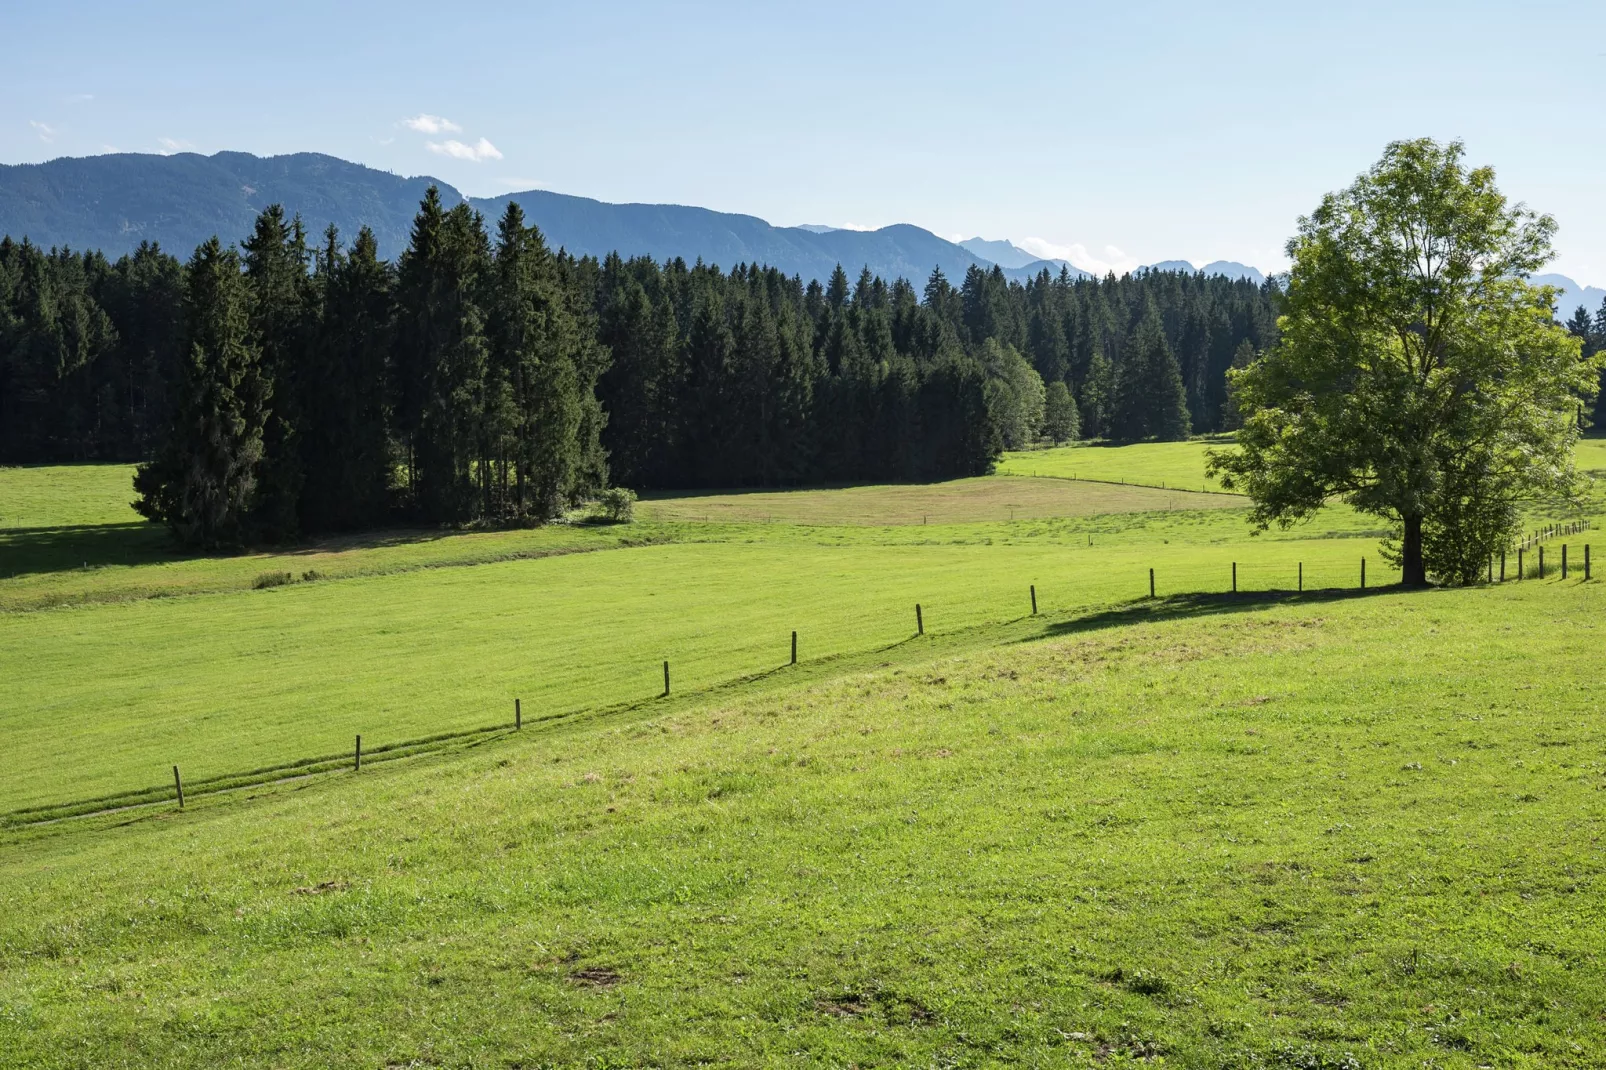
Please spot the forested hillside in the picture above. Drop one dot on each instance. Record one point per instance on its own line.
(296, 386)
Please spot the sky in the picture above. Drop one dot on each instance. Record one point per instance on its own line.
(1111, 134)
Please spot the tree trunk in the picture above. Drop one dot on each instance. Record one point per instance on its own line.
(1413, 572)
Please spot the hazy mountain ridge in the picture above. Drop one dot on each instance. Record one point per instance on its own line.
(1572, 295)
(114, 202)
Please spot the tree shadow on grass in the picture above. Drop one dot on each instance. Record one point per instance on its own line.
(73, 546)
(1189, 606)
(27, 551)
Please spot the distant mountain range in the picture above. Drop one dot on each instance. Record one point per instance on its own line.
(1572, 295)
(114, 202)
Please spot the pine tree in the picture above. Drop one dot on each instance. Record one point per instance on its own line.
(276, 260)
(346, 444)
(1060, 422)
(202, 483)
(441, 358)
(1150, 400)
(1097, 401)
(533, 344)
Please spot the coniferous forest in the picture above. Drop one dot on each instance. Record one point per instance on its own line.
(298, 384)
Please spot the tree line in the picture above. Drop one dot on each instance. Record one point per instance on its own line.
(1591, 334)
(291, 386)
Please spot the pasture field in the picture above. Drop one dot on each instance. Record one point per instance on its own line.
(1268, 828)
(959, 501)
(1332, 832)
(1175, 465)
(420, 636)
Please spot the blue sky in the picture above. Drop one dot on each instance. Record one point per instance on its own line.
(1118, 134)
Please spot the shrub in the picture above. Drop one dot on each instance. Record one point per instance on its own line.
(310, 575)
(618, 504)
(272, 579)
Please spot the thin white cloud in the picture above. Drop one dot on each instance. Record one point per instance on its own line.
(45, 131)
(478, 152)
(1112, 259)
(857, 226)
(171, 145)
(425, 123)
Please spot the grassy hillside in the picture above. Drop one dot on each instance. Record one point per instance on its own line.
(1352, 831)
(1319, 830)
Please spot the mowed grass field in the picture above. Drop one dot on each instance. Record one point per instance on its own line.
(960, 501)
(1174, 465)
(1327, 829)
(1352, 831)
(410, 636)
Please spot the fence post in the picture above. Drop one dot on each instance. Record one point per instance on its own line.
(794, 648)
(1541, 560)
(1563, 560)
(1502, 566)
(356, 765)
(920, 621)
(1034, 599)
(1363, 573)
(666, 678)
(518, 714)
(178, 786)
(1491, 568)
(1235, 577)
(1586, 560)
(1151, 583)
(1302, 577)
(1519, 562)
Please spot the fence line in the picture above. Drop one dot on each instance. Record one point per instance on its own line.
(1226, 579)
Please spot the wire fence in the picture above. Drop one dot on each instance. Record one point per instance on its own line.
(1164, 580)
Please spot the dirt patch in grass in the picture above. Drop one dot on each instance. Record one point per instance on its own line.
(596, 976)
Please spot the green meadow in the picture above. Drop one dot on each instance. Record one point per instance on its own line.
(1270, 828)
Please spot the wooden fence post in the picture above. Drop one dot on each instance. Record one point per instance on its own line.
(1586, 560)
(1502, 566)
(356, 765)
(178, 786)
(666, 678)
(1541, 560)
(1302, 577)
(1563, 560)
(920, 621)
(1034, 599)
(1519, 562)
(1363, 573)
(794, 648)
(1235, 577)
(1151, 583)
(518, 714)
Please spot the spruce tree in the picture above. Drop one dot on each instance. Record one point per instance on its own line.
(202, 483)
(346, 443)
(1060, 422)
(276, 260)
(441, 358)
(533, 344)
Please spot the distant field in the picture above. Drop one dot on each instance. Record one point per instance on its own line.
(960, 501)
(1173, 465)
(53, 496)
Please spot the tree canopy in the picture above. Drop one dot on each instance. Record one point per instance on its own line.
(1418, 375)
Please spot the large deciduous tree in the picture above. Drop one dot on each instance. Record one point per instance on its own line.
(1418, 376)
